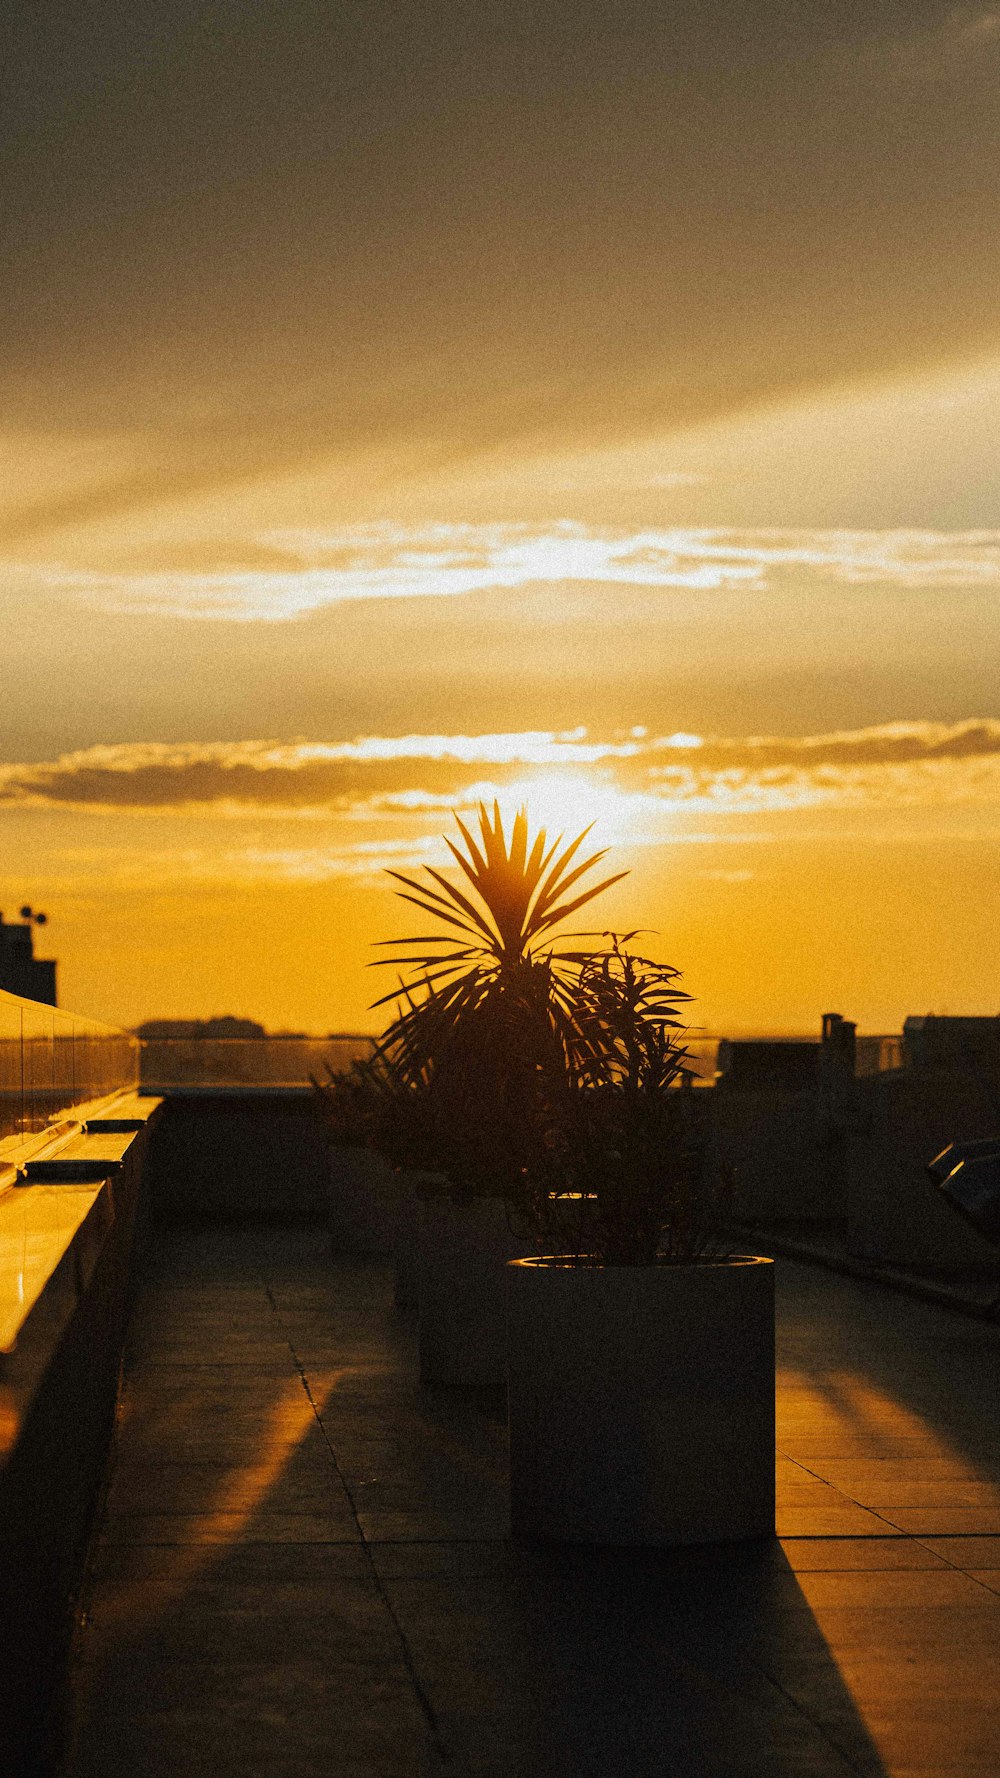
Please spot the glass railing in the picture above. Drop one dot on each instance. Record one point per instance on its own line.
(51, 1061)
(233, 1062)
(874, 1055)
(226, 1063)
(287, 1062)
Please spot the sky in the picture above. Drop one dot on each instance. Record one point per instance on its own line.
(589, 405)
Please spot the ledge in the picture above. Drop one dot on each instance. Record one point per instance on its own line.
(970, 1295)
(84, 1157)
(57, 1200)
(16, 1154)
(65, 1252)
(291, 1089)
(38, 1226)
(128, 1111)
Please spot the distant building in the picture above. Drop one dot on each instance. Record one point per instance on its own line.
(938, 1041)
(226, 1026)
(781, 1064)
(21, 972)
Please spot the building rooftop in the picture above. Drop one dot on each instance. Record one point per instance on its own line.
(21, 972)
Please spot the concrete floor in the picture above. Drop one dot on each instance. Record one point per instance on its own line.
(304, 1566)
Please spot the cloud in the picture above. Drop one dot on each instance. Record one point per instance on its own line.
(963, 44)
(451, 561)
(895, 763)
(296, 775)
(889, 743)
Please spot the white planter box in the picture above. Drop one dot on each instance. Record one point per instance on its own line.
(464, 1249)
(362, 1201)
(642, 1401)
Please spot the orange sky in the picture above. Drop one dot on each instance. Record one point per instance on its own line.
(402, 402)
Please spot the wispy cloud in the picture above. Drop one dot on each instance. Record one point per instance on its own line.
(895, 763)
(963, 43)
(450, 561)
(294, 775)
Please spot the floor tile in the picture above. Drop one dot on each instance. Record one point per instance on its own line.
(938, 1521)
(293, 1581)
(850, 1554)
(229, 1528)
(966, 1552)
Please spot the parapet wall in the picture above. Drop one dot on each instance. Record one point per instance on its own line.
(58, 1390)
(239, 1156)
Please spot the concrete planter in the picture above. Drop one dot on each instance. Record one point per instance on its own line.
(642, 1401)
(464, 1249)
(362, 1198)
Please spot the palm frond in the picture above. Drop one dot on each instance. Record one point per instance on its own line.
(468, 907)
(563, 912)
(426, 981)
(438, 914)
(416, 938)
(565, 883)
(478, 859)
(557, 866)
(451, 898)
(486, 996)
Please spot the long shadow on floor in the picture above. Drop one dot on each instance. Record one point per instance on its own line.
(289, 1592)
(913, 1378)
(581, 1664)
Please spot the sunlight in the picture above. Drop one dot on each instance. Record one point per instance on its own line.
(567, 802)
(242, 1494)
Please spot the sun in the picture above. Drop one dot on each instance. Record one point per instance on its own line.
(566, 802)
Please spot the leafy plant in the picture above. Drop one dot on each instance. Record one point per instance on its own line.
(552, 1077)
(373, 1105)
(624, 1137)
(499, 938)
(487, 1011)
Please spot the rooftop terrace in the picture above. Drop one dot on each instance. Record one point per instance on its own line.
(304, 1565)
(303, 1562)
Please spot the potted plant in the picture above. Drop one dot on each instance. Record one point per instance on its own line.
(394, 1123)
(640, 1350)
(548, 1086)
(484, 1022)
